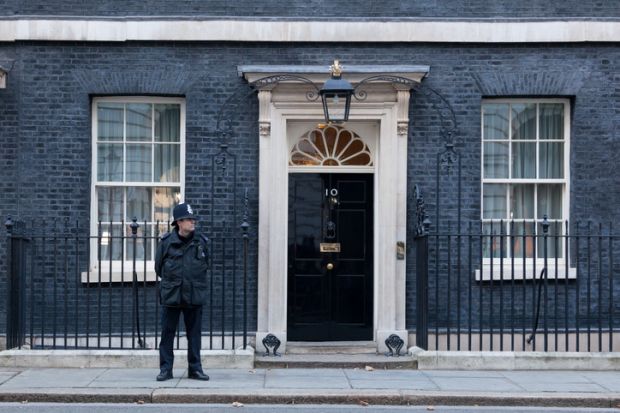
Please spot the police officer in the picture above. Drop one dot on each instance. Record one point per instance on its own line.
(181, 263)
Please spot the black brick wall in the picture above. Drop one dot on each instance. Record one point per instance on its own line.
(9, 121)
(318, 8)
(49, 115)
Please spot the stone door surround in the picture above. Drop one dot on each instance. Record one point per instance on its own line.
(387, 104)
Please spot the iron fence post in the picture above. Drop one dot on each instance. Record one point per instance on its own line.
(421, 240)
(422, 291)
(10, 311)
(545, 228)
(245, 226)
(134, 284)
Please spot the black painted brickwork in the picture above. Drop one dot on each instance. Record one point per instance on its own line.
(58, 80)
(318, 8)
(9, 121)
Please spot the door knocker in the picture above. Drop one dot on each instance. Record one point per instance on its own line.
(330, 232)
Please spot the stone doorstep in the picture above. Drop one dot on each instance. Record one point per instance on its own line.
(242, 359)
(331, 347)
(508, 360)
(322, 360)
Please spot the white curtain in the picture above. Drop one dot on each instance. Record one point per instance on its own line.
(167, 155)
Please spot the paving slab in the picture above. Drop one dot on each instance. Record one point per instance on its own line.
(545, 376)
(606, 379)
(300, 372)
(298, 382)
(474, 374)
(135, 378)
(41, 378)
(362, 374)
(227, 379)
(499, 384)
(562, 387)
(417, 384)
(549, 381)
(7, 375)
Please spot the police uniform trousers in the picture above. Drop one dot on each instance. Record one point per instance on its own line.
(192, 315)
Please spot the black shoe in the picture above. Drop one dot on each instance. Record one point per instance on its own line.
(198, 375)
(164, 375)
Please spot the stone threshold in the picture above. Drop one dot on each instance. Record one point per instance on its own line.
(349, 361)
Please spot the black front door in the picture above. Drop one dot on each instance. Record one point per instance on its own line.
(330, 257)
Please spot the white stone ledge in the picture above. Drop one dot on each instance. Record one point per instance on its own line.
(211, 359)
(508, 360)
(242, 30)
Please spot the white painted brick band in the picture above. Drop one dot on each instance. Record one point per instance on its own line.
(308, 31)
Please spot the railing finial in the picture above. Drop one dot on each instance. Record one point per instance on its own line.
(245, 226)
(545, 224)
(9, 225)
(134, 226)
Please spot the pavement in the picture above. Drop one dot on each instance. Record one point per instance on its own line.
(365, 386)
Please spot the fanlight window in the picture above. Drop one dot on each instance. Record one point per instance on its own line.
(330, 146)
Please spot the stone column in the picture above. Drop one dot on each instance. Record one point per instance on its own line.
(392, 204)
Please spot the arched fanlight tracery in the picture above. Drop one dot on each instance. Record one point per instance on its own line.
(332, 145)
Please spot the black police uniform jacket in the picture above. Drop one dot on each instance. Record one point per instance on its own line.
(182, 267)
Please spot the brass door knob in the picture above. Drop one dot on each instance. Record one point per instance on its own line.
(330, 266)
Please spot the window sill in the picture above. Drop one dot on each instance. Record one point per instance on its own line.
(519, 272)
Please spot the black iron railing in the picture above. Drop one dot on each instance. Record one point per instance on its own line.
(70, 289)
(496, 286)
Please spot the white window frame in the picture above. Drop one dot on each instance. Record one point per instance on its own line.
(494, 265)
(122, 270)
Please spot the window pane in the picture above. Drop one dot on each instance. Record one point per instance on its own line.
(167, 123)
(139, 244)
(110, 121)
(167, 163)
(494, 201)
(552, 160)
(550, 201)
(496, 160)
(139, 163)
(492, 241)
(110, 162)
(522, 201)
(523, 239)
(109, 204)
(524, 160)
(165, 200)
(138, 122)
(111, 242)
(495, 121)
(524, 121)
(554, 241)
(139, 204)
(551, 121)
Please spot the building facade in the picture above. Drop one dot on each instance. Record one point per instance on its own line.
(108, 114)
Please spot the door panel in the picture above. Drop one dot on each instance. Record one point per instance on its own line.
(330, 293)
